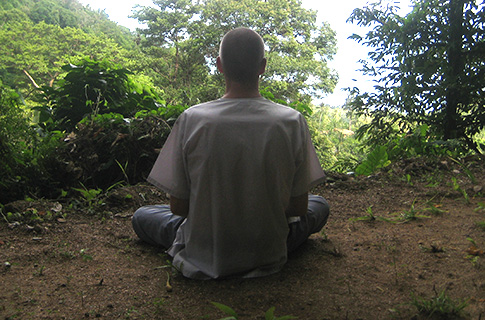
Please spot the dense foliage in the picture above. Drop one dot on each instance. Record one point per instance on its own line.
(333, 134)
(182, 37)
(32, 54)
(15, 135)
(70, 13)
(429, 68)
(78, 101)
(85, 104)
(91, 88)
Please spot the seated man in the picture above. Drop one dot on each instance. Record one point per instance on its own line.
(238, 171)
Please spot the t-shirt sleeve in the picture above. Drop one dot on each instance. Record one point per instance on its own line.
(309, 173)
(169, 171)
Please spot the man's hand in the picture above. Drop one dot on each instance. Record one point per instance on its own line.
(180, 207)
(298, 206)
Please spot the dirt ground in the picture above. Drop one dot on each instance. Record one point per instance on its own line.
(411, 229)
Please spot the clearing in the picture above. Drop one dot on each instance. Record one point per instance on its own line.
(416, 228)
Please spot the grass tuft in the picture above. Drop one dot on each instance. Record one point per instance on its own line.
(440, 306)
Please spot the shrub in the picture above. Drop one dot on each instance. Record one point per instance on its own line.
(91, 88)
(15, 137)
(109, 149)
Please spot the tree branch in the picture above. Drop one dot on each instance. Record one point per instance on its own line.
(31, 79)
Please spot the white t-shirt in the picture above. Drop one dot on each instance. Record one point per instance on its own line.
(238, 161)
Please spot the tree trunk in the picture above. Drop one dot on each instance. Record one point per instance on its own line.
(451, 124)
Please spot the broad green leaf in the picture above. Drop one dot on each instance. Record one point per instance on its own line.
(226, 309)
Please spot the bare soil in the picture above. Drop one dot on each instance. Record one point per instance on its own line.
(420, 242)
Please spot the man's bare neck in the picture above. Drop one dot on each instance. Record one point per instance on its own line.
(239, 91)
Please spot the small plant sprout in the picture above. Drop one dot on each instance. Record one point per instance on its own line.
(474, 253)
(91, 196)
(369, 217)
(481, 206)
(457, 187)
(472, 241)
(408, 179)
(433, 248)
(41, 271)
(123, 170)
(269, 314)
(409, 215)
(84, 255)
(440, 306)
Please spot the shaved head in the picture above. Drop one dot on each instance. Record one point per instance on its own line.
(242, 54)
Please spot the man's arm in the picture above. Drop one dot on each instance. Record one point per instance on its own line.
(298, 206)
(179, 207)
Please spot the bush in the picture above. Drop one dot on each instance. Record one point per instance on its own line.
(15, 137)
(110, 149)
(91, 88)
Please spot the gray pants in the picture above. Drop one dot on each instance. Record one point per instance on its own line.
(157, 225)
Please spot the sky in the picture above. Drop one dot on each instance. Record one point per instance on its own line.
(336, 13)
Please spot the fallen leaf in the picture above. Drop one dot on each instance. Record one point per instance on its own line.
(474, 251)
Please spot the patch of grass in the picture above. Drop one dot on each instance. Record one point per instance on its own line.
(409, 215)
(368, 217)
(434, 208)
(440, 306)
(269, 315)
(92, 198)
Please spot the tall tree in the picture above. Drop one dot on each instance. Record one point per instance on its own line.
(298, 49)
(176, 58)
(429, 67)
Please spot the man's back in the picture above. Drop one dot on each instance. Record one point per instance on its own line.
(240, 162)
(234, 169)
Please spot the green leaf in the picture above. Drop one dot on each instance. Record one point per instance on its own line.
(269, 315)
(377, 159)
(226, 309)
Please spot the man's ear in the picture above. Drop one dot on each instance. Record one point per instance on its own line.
(262, 67)
(219, 65)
